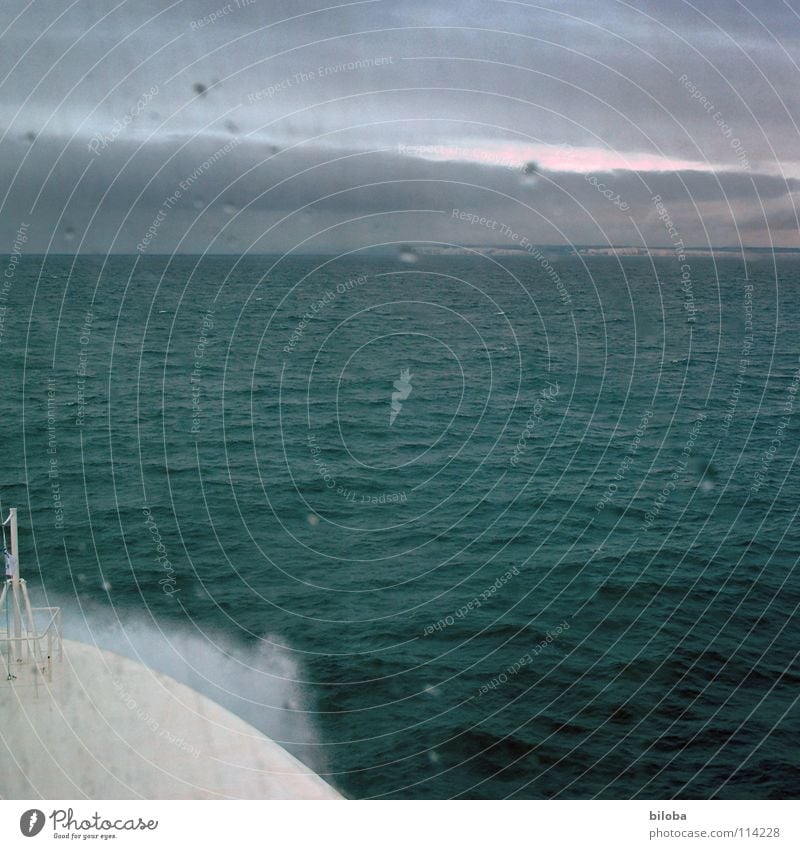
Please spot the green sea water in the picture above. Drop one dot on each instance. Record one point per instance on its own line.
(443, 526)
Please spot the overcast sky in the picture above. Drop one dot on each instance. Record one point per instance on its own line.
(296, 126)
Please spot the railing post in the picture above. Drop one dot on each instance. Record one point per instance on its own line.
(12, 514)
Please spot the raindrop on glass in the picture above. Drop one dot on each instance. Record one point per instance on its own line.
(407, 254)
(530, 173)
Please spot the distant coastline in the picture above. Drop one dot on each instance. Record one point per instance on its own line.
(549, 251)
(606, 250)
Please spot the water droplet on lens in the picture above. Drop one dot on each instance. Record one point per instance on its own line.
(313, 520)
(407, 254)
(530, 173)
(709, 474)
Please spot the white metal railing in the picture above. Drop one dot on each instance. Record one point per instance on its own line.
(25, 647)
(37, 647)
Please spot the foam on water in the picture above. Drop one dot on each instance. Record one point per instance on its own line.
(260, 682)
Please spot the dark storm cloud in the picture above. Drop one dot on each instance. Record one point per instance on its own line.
(159, 88)
(236, 190)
